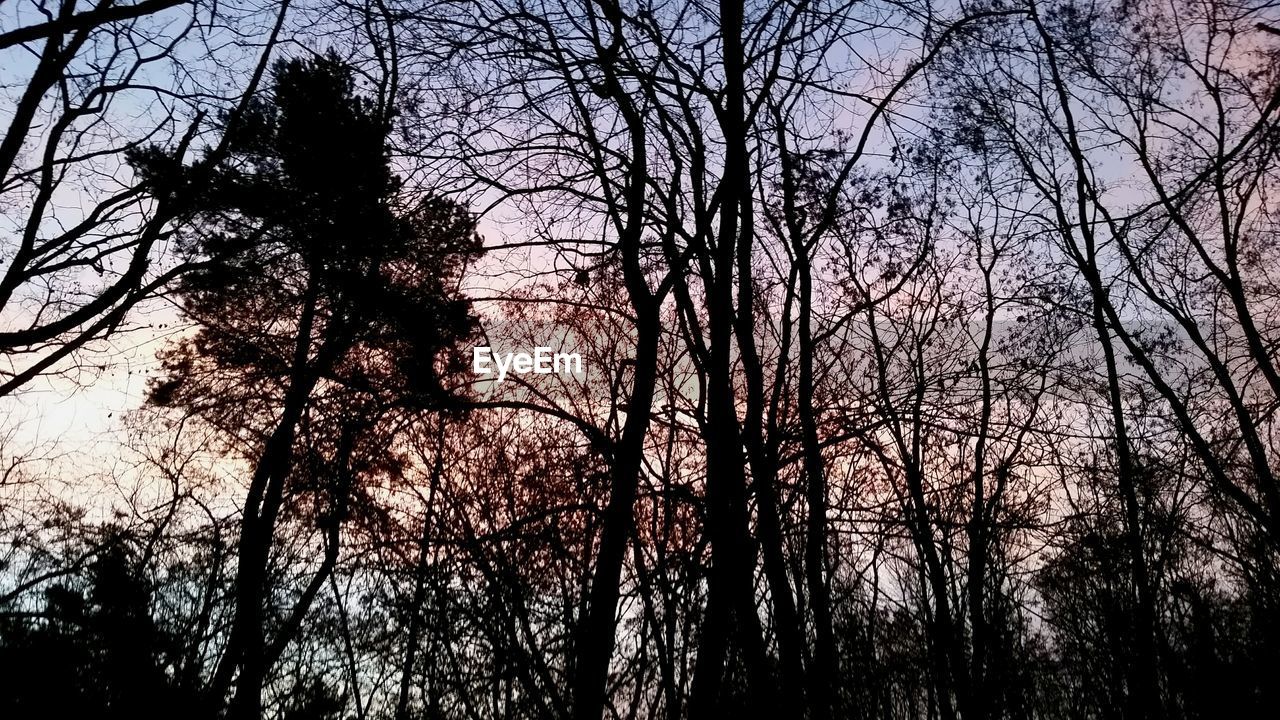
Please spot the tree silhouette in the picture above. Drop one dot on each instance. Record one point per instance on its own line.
(96, 649)
(326, 308)
(930, 359)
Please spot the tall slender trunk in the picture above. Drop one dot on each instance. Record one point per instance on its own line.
(978, 530)
(246, 649)
(420, 581)
(596, 631)
(731, 604)
(1144, 696)
(824, 671)
(824, 668)
(762, 452)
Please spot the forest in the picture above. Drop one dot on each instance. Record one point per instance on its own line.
(928, 359)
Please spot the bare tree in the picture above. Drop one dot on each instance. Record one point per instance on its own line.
(86, 238)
